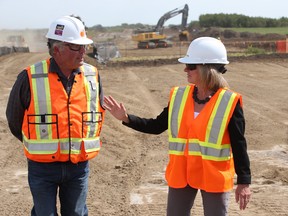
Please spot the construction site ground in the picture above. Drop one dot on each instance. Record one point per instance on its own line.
(127, 177)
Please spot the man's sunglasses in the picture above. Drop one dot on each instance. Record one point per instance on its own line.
(75, 47)
(191, 66)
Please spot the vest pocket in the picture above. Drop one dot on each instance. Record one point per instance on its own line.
(48, 152)
(90, 123)
(89, 149)
(43, 126)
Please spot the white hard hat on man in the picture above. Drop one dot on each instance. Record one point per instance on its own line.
(68, 29)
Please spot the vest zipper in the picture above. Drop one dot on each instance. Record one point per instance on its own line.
(69, 126)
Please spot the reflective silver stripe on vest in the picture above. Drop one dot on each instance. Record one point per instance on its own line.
(89, 145)
(177, 146)
(92, 145)
(177, 103)
(50, 147)
(40, 83)
(93, 91)
(195, 148)
(219, 117)
(47, 147)
(175, 112)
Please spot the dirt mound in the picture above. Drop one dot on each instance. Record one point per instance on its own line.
(164, 60)
(233, 35)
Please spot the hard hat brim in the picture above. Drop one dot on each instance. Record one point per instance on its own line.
(187, 60)
(82, 41)
(184, 60)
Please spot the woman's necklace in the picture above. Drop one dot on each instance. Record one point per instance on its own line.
(197, 100)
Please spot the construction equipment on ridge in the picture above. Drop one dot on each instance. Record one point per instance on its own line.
(155, 38)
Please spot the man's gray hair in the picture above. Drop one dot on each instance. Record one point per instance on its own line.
(50, 44)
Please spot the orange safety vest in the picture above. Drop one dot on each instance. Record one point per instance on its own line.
(58, 127)
(199, 148)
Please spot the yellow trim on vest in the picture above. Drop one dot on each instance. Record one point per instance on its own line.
(170, 110)
(174, 152)
(182, 106)
(177, 139)
(36, 101)
(213, 114)
(206, 157)
(49, 105)
(88, 94)
(225, 119)
(210, 145)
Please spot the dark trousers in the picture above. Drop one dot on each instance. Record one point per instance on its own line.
(181, 200)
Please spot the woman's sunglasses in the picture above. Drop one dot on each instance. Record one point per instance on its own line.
(191, 66)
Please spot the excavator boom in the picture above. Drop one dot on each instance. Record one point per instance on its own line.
(153, 38)
(173, 13)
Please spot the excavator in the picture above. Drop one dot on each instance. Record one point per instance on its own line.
(155, 38)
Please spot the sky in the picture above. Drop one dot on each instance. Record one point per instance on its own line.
(35, 14)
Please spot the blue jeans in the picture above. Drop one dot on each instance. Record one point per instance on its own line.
(45, 179)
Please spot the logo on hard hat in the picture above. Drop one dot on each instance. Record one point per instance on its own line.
(59, 30)
(82, 33)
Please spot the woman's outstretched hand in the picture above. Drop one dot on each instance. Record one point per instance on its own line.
(116, 109)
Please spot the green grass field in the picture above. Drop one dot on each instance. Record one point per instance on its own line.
(277, 30)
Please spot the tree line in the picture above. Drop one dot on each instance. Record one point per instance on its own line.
(211, 20)
(238, 21)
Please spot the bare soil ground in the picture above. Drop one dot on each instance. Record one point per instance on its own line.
(127, 178)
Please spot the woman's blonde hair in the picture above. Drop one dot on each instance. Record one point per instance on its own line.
(211, 78)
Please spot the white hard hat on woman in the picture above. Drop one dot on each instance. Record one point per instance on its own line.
(68, 29)
(205, 50)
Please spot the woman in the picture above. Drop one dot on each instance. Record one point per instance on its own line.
(206, 127)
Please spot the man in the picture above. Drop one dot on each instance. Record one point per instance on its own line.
(55, 110)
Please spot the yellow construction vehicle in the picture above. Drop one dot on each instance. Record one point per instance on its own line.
(154, 38)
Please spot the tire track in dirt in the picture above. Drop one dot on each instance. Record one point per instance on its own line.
(151, 190)
(132, 153)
